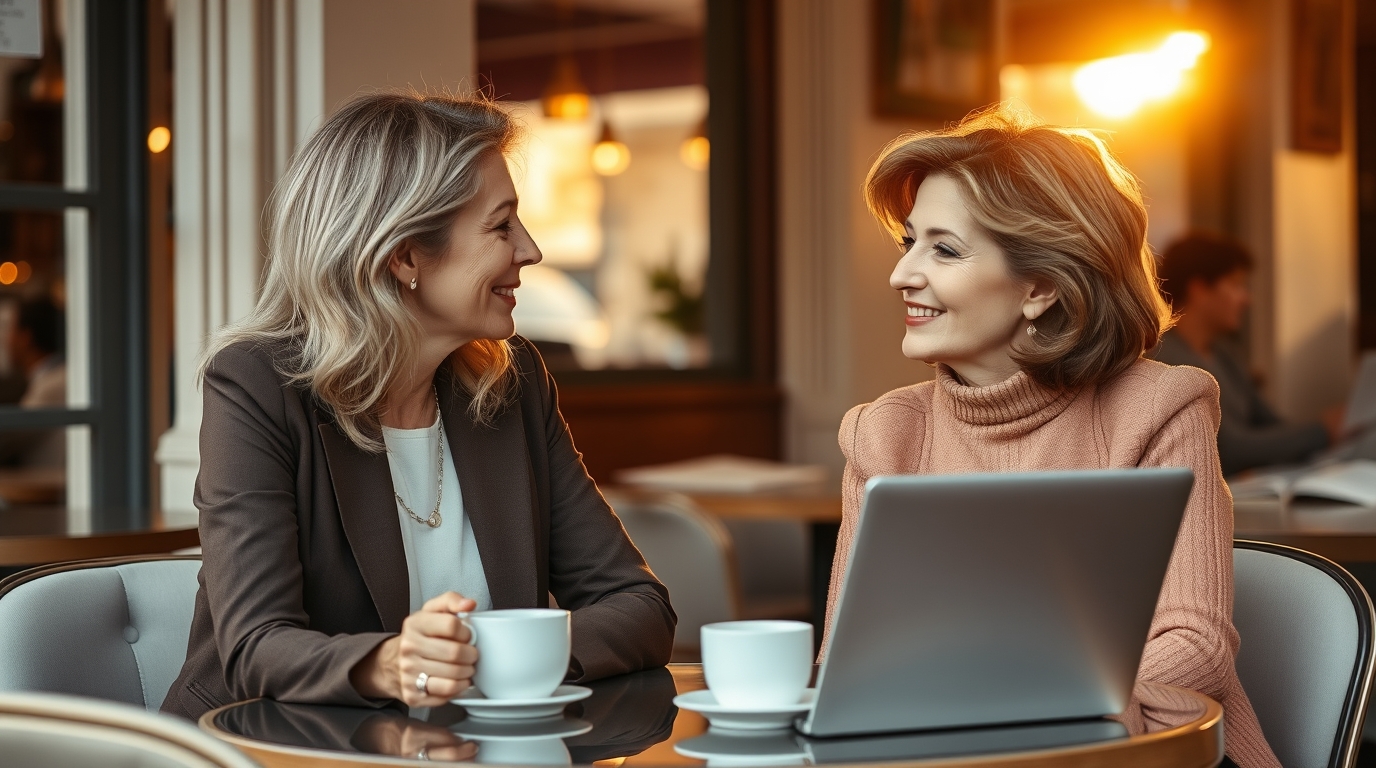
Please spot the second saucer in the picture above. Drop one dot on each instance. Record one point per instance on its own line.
(731, 718)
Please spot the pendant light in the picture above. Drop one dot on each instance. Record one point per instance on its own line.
(610, 157)
(696, 150)
(566, 98)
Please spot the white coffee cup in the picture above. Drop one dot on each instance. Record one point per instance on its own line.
(523, 653)
(757, 664)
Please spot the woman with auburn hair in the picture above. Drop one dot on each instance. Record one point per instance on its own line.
(378, 452)
(1028, 283)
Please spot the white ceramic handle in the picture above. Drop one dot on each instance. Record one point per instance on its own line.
(472, 630)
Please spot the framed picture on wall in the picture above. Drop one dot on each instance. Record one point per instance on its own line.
(1316, 75)
(933, 59)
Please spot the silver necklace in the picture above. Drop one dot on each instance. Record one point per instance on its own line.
(434, 519)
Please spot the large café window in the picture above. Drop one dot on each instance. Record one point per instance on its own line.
(641, 278)
(71, 447)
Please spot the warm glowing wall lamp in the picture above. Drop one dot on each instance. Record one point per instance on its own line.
(1119, 86)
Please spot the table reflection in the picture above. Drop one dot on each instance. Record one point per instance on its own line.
(624, 716)
(627, 715)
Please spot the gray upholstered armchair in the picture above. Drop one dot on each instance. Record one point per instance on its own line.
(112, 629)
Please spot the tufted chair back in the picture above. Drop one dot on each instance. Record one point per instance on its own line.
(112, 629)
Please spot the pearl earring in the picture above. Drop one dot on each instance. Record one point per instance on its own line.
(1031, 329)
(413, 283)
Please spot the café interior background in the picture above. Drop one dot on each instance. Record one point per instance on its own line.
(712, 282)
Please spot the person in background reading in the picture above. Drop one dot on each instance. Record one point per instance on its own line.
(1204, 276)
(1026, 280)
(378, 452)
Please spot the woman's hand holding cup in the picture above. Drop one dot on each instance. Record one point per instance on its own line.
(429, 663)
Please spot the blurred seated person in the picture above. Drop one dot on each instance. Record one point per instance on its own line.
(1027, 282)
(1205, 278)
(378, 450)
(36, 342)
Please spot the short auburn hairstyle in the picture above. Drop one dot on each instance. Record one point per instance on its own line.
(1065, 212)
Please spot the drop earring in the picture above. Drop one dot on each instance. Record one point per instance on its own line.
(413, 283)
(1031, 329)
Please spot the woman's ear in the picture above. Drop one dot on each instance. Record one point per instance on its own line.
(402, 263)
(1040, 297)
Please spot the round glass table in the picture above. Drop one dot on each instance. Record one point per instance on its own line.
(631, 721)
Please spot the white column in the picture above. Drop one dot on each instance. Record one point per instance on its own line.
(840, 324)
(814, 252)
(252, 83)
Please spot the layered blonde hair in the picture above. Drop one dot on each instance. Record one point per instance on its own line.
(384, 171)
(1065, 212)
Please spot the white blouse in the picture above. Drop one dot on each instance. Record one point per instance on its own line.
(441, 559)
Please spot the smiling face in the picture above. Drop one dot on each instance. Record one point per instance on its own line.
(467, 291)
(964, 309)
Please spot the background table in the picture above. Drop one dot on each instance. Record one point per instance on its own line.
(1342, 532)
(634, 723)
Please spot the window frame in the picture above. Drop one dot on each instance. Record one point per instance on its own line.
(739, 286)
(115, 199)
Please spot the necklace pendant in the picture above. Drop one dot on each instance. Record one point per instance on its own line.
(434, 520)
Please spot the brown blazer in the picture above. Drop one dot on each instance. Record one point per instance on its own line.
(304, 571)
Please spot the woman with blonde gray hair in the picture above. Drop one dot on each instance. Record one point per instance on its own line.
(1026, 280)
(379, 453)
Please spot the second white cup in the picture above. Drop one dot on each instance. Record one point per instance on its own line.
(757, 664)
(523, 653)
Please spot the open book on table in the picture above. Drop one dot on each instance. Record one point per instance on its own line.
(1352, 481)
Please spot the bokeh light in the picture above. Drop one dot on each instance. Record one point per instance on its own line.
(1119, 86)
(159, 139)
(696, 152)
(568, 106)
(9, 273)
(610, 158)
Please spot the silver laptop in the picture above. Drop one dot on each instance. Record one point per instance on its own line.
(985, 599)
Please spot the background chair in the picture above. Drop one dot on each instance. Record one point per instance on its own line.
(772, 559)
(112, 629)
(47, 731)
(1307, 652)
(691, 554)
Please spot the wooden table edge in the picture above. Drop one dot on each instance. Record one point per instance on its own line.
(1177, 747)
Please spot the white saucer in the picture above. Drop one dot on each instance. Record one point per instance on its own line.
(754, 719)
(745, 748)
(482, 708)
(520, 730)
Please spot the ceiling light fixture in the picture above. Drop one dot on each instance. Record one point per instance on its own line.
(610, 157)
(696, 150)
(566, 98)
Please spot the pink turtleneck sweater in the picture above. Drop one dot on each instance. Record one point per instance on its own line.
(1152, 415)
